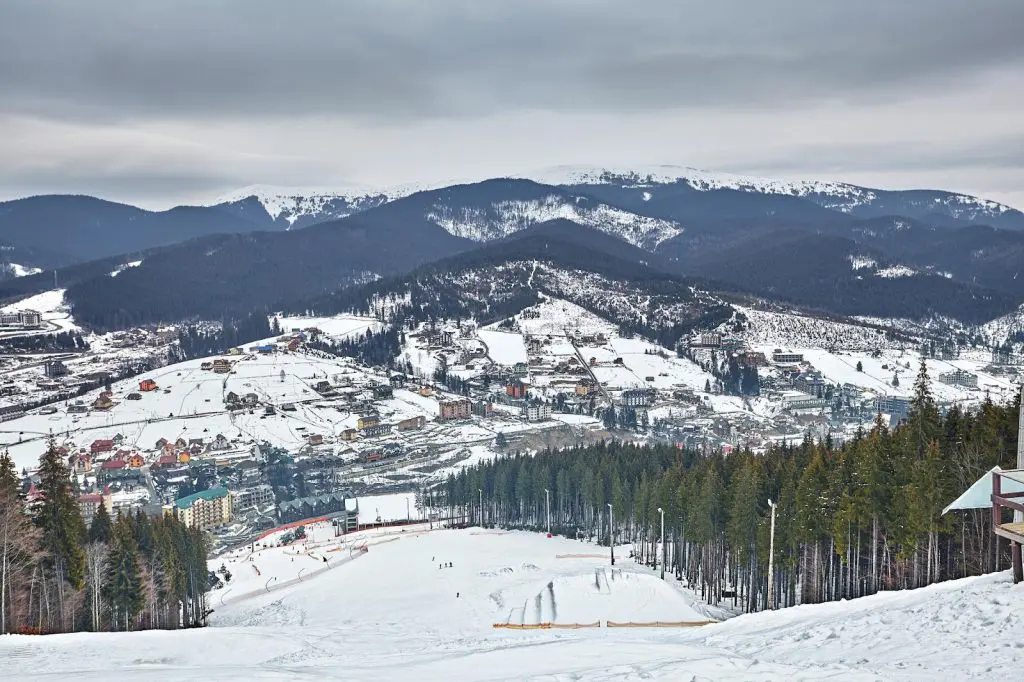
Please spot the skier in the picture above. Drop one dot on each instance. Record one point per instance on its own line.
(456, 595)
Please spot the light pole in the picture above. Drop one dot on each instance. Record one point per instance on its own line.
(547, 503)
(611, 531)
(771, 558)
(664, 551)
(481, 491)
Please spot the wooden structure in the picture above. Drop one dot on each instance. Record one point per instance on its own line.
(1013, 531)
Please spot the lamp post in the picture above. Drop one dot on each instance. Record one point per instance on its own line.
(611, 531)
(771, 558)
(664, 551)
(547, 503)
(481, 491)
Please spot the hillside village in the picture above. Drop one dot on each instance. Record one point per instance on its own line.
(279, 429)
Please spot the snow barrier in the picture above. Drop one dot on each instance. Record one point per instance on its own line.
(546, 626)
(659, 624)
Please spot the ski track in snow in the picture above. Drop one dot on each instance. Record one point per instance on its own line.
(393, 614)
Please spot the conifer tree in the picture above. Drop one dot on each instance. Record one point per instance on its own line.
(9, 480)
(60, 519)
(122, 587)
(99, 529)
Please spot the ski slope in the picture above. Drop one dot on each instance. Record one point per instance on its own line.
(393, 614)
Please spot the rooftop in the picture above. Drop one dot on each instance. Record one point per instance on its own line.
(208, 495)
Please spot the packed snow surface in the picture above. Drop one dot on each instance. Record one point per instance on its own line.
(392, 613)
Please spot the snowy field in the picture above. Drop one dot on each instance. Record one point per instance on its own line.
(337, 327)
(393, 614)
(51, 307)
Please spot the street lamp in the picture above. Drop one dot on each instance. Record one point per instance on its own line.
(481, 491)
(547, 503)
(611, 531)
(771, 558)
(664, 550)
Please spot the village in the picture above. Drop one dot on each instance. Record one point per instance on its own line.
(280, 430)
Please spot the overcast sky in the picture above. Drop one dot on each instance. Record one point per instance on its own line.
(160, 102)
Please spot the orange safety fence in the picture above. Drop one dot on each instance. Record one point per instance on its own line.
(660, 624)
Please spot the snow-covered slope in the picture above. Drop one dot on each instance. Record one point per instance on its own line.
(294, 207)
(16, 270)
(393, 614)
(494, 220)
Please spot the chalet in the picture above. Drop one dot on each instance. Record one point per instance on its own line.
(376, 430)
(80, 463)
(455, 409)
(412, 423)
(180, 444)
(221, 366)
(113, 465)
(102, 403)
(161, 444)
(397, 380)
(134, 396)
(101, 445)
(366, 421)
(323, 386)
(193, 442)
(135, 460)
(293, 345)
(315, 439)
(232, 398)
(585, 387)
(250, 400)
(426, 391)
(220, 442)
(164, 461)
(269, 411)
(207, 366)
(383, 391)
(348, 434)
(147, 385)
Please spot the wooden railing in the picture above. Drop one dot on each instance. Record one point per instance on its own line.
(1013, 531)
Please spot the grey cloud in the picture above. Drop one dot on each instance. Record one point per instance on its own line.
(391, 59)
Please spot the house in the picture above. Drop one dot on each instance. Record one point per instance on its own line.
(323, 386)
(636, 397)
(134, 396)
(207, 366)
(426, 391)
(220, 442)
(89, 504)
(167, 460)
(205, 509)
(348, 434)
(781, 357)
(250, 400)
(80, 463)
(293, 345)
(535, 411)
(585, 387)
(366, 421)
(221, 366)
(397, 380)
(315, 439)
(455, 409)
(161, 444)
(54, 368)
(516, 389)
(376, 430)
(102, 403)
(77, 408)
(147, 385)
(483, 408)
(383, 391)
(520, 369)
(113, 465)
(412, 423)
(135, 460)
(101, 445)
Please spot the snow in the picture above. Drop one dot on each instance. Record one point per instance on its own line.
(391, 614)
(505, 348)
(896, 271)
(384, 508)
(17, 270)
(503, 218)
(338, 327)
(131, 264)
(862, 262)
(50, 304)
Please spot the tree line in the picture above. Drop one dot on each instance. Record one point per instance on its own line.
(45, 343)
(851, 519)
(125, 573)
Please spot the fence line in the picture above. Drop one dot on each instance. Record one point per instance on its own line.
(607, 624)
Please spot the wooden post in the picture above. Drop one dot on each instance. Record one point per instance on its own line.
(1018, 567)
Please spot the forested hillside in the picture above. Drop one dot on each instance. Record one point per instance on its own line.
(851, 519)
(126, 573)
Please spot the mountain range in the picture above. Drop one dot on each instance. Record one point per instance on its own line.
(827, 246)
